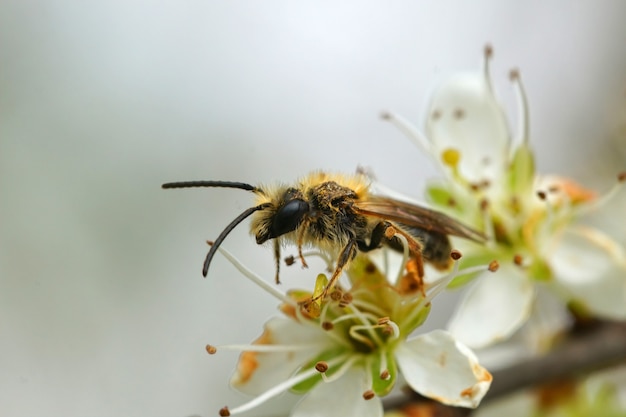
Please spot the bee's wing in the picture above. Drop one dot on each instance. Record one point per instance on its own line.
(416, 216)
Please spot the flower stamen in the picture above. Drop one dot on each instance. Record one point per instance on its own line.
(280, 388)
(523, 120)
(409, 130)
(246, 272)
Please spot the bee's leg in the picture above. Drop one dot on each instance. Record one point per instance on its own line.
(376, 239)
(386, 232)
(413, 281)
(301, 231)
(346, 255)
(277, 259)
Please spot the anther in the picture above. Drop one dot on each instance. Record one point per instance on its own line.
(456, 254)
(542, 195)
(290, 260)
(621, 177)
(518, 260)
(436, 114)
(211, 350)
(553, 189)
(321, 367)
(493, 266)
(336, 295)
(368, 395)
(451, 157)
(388, 330)
(385, 375)
(224, 412)
(459, 113)
(514, 74)
(451, 202)
(385, 115)
(383, 320)
(327, 325)
(484, 204)
(488, 51)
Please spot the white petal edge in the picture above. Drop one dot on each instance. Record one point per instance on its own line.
(263, 370)
(340, 398)
(496, 305)
(592, 269)
(439, 367)
(464, 115)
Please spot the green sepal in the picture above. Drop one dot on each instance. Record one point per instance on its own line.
(521, 173)
(539, 270)
(381, 386)
(416, 320)
(306, 385)
(439, 195)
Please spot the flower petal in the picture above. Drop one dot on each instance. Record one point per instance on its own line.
(465, 116)
(342, 397)
(258, 371)
(592, 268)
(494, 307)
(439, 367)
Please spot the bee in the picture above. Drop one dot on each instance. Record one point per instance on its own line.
(339, 215)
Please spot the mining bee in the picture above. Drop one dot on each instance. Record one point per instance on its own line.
(339, 215)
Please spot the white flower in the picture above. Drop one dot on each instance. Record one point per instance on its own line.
(532, 222)
(350, 355)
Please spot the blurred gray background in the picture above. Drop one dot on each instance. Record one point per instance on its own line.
(103, 311)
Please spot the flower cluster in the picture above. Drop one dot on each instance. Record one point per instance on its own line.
(532, 221)
(351, 354)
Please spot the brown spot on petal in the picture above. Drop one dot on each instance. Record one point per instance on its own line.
(248, 362)
(442, 359)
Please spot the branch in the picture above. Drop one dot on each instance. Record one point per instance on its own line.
(595, 347)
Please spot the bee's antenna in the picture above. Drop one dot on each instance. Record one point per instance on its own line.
(226, 231)
(224, 184)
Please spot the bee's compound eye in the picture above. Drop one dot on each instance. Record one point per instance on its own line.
(288, 217)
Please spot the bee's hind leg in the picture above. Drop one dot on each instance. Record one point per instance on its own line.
(385, 232)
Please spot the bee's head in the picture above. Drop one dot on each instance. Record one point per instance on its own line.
(278, 213)
(283, 215)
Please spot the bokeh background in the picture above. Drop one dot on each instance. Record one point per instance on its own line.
(103, 311)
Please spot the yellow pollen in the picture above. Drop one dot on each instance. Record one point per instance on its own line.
(451, 157)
